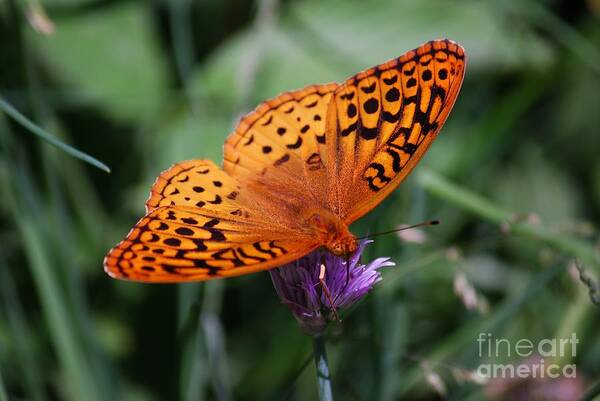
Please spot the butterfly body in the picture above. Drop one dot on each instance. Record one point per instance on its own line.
(297, 171)
(333, 233)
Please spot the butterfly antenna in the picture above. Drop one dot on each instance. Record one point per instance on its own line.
(423, 224)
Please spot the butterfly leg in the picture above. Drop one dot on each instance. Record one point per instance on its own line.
(327, 293)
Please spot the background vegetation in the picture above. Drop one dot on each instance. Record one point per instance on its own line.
(140, 85)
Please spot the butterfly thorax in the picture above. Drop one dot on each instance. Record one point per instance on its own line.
(333, 233)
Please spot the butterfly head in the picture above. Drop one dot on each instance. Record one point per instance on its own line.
(333, 233)
(344, 246)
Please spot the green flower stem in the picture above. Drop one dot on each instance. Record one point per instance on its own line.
(323, 377)
(463, 198)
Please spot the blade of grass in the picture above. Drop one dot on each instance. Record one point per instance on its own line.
(478, 205)
(194, 388)
(3, 394)
(41, 133)
(56, 313)
(183, 46)
(21, 334)
(214, 338)
(193, 377)
(66, 254)
(23, 200)
(541, 17)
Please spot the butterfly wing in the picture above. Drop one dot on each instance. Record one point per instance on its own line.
(279, 147)
(341, 148)
(200, 225)
(381, 122)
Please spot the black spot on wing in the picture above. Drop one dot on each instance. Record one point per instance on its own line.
(347, 131)
(391, 118)
(370, 88)
(217, 200)
(392, 95)
(172, 241)
(273, 245)
(246, 256)
(391, 80)
(380, 175)
(269, 120)
(368, 133)
(184, 231)
(258, 247)
(351, 110)
(282, 160)
(295, 145)
(371, 106)
(409, 148)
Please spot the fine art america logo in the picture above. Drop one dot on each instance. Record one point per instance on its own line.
(530, 358)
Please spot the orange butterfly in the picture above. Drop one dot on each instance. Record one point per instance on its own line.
(296, 173)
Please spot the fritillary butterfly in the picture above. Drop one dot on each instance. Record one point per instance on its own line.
(297, 171)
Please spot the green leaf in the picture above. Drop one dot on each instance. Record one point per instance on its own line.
(109, 56)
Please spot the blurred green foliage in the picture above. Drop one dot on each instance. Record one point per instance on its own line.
(515, 179)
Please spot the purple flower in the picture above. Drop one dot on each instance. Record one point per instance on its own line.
(298, 285)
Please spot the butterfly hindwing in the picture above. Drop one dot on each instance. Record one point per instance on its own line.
(178, 244)
(194, 183)
(201, 224)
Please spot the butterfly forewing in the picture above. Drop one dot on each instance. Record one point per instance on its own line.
(382, 120)
(282, 140)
